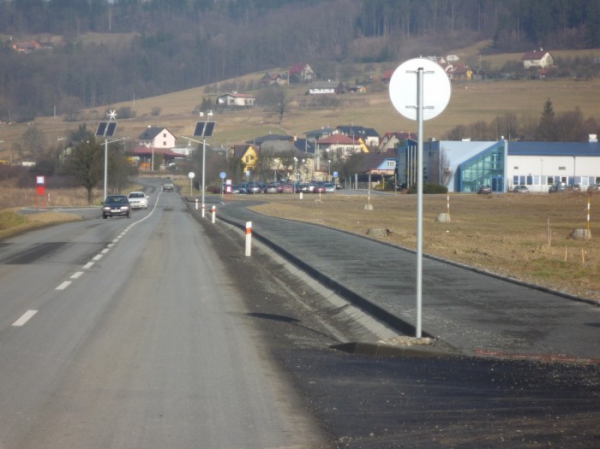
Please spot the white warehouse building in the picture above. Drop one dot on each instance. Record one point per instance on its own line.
(464, 166)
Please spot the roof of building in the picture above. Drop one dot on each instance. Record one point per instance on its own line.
(357, 131)
(374, 161)
(151, 132)
(536, 54)
(554, 148)
(338, 139)
(268, 137)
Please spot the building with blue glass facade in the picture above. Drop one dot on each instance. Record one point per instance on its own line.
(464, 166)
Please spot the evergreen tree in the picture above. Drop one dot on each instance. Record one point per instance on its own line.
(546, 131)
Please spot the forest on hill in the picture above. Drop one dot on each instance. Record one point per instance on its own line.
(162, 46)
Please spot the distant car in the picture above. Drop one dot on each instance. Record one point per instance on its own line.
(285, 188)
(520, 189)
(138, 200)
(116, 206)
(319, 187)
(271, 187)
(254, 188)
(330, 187)
(594, 188)
(168, 186)
(558, 187)
(575, 188)
(484, 190)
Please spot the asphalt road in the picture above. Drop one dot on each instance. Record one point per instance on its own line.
(173, 338)
(128, 333)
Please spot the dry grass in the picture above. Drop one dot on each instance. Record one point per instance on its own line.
(13, 223)
(524, 236)
(470, 102)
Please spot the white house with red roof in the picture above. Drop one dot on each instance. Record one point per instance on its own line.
(537, 58)
(301, 73)
(234, 99)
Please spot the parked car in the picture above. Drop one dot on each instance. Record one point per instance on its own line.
(254, 187)
(271, 187)
(285, 188)
(168, 186)
(116, 206)
(138, 200)
(558, 187)
(484, 190)
(520, 189)
(594, 188)
(330, 187)
(318, 187)
(575, 188)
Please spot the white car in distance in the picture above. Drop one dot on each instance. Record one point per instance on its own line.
(138, 200)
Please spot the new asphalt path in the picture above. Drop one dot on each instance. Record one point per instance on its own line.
(475, 313)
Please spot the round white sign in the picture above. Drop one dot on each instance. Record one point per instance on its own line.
(404, 88)
(191, 175)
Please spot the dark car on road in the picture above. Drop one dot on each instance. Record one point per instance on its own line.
(116, 206)
(484, 190)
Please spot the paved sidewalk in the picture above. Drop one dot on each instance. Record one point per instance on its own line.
(471, 311)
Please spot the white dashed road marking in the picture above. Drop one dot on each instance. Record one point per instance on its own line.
(24, 318)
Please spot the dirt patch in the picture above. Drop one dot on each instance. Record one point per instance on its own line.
(524, 236)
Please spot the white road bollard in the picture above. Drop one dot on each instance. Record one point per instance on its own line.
(248, 238)
(196, 203)
(214, 213)
(203, 210)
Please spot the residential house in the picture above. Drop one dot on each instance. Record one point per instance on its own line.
(339, 145)
(301, 73)
(369, 136)
(273, 79)
(537, 58)
(459, 71)
(235, 100)
(156, 137)
(26, 46)
(247, 154)
(379, 165)
(392, 140)
(317, 134)
(387, 76)
(326, 87)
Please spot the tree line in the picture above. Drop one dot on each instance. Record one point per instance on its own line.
(170, 45)
(569, 126)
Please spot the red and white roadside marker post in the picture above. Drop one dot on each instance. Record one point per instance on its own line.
(214, 213)
(196, 203)
(248, 238)
(203, 210)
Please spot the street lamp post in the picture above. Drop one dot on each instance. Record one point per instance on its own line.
(295, 174)
(106, 142)
(203, 142)
(210, 114)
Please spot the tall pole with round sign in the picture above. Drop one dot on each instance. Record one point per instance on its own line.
(420, 90)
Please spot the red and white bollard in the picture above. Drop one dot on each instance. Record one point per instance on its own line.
(248, 238)
(196, 203)
(203, 210)
(214, 213)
